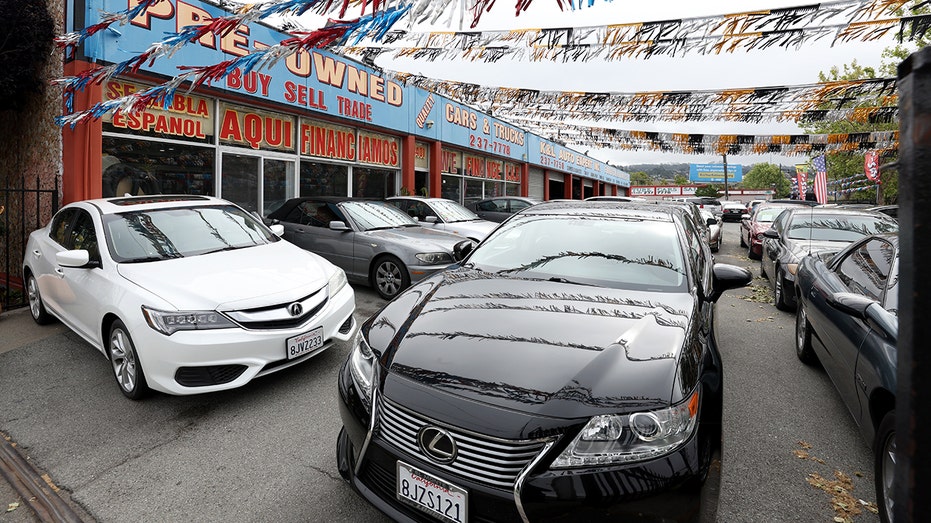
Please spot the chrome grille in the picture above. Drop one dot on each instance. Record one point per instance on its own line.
(487, 460)
(277, 316)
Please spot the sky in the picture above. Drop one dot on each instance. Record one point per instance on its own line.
(741, 69)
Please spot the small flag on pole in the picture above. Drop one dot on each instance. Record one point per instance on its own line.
(821, 179)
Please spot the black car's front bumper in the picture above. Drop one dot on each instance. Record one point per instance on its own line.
(663, 490)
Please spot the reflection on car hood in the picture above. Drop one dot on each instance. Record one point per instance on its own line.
(538, 347)
(229, 280)
(802, 248)
(423, 238)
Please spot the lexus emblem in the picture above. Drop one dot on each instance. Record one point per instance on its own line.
(437, 444)
(295, 309)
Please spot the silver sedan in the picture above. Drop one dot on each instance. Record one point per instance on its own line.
(375, 243)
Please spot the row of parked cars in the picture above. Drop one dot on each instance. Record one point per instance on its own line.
(542, 373)
(837, 268)
(538, 369)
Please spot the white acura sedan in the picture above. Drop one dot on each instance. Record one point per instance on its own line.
(184, 294)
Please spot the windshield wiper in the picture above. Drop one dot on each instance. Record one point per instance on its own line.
(559, 279)
(221, 249)
(151, 259)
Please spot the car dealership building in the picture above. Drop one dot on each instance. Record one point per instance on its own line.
(313, 123)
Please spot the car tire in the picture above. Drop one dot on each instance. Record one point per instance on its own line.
(803, 338)
(884, 467)
(763, 269)
(36, 305)
(389, 277)
(752, 255)
(779, 292)
(127, 369)
(716, 246)
(743, 243)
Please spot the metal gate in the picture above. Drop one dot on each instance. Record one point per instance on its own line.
(22, 211)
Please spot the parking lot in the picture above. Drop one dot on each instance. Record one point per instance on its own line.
(267, 451)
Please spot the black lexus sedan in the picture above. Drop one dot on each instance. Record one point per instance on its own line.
(847, 318)
(565, 370)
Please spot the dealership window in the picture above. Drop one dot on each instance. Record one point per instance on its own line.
(512, 189)
(369, 182)
(240, 180)
(324, 179)
(452, 188)
(136, 166)
(474, 190)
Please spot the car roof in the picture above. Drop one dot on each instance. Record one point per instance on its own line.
(835, 211)
(121, 204)
(657, 211)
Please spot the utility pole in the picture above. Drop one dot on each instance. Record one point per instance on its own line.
(726, 195)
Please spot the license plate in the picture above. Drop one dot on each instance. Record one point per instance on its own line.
(304, 343)
(432, 495)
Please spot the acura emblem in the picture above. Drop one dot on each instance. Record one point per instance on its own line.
(437, 444)
(295, 309)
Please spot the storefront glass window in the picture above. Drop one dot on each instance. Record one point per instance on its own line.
(240, 175)
(473, 190)
(452, 188)
(137, 167)
(494, 189)
(368, 182)
(277, 184)
(324, 179)
(512, 189)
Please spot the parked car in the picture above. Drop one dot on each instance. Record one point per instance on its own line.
(705, 202)
(732, 211)
(500, 208)
(184, 294)
(607, 198)
(753, 226)
(375, 243)
(751, 206)
(847, 318)
(445, 215)
(800, 232)
(567, 358)
(715, 230)
(890, 210)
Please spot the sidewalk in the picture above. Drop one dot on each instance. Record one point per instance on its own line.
(26, 496)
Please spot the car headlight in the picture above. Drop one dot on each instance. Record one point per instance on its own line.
(169, 322)
(362, 368)
(626, 438)
(337, 282)
(434, 258)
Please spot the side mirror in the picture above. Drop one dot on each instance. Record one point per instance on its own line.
(725, 277)
(868, 310)
(462, 249)
(711, 221)
(76, 258)
(277, 228)
(336, 225)
(771, 233)
(430, 219)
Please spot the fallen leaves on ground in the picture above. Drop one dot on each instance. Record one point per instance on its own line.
(846, 506)
(758, 293)
(12, 506)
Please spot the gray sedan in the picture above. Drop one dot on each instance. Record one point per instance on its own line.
(445, 215)
(375, 243)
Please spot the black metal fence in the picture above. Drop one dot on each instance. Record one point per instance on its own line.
(22, 210)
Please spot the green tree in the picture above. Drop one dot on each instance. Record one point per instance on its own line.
(847, 164)
(641, 178)
(708, 190)
(767, 176)
(681, 180)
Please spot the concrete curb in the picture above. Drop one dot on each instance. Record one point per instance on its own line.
(38, 494)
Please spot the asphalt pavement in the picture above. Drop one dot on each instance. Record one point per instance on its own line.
(265, 452)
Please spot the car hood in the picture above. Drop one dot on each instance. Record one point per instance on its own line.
(229, 280)
(421, 238)
(473, 228)
(538, 347)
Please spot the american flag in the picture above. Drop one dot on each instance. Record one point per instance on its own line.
(821, 179)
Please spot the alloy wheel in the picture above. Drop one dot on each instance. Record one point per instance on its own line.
(388, 278)
(35, 300)
(888, 475)
(123, 358)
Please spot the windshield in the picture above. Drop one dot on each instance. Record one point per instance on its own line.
(768, 214)
(160, 234)
(376, 215)
(838, 228)
(609, 252)
(450, 211)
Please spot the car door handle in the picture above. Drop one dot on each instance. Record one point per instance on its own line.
(59, 272)
(37, 253)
